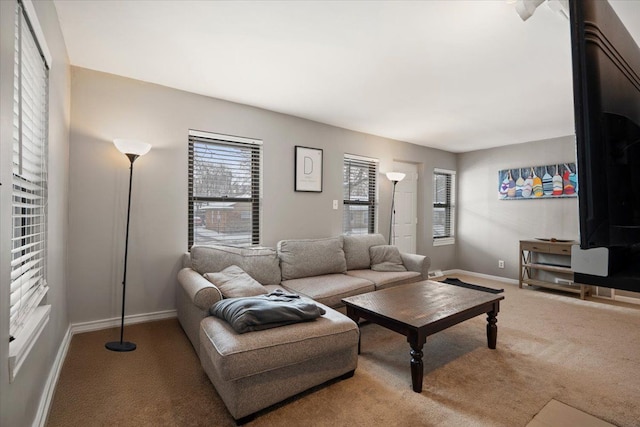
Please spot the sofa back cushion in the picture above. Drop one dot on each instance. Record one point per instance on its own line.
(260, 263)
(385, 258)
(311, 257)
(356, 249)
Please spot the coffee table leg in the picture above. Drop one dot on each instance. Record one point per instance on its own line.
(416, 367)
(492, 329)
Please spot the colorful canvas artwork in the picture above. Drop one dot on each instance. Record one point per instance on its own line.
(538, 182)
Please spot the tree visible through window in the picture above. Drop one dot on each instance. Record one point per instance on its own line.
(443, 206)
(359, 188)
(224, 190)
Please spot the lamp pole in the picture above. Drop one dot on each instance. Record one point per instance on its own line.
(393, 213)
(125, 345)
(132, 149)
(395, 178)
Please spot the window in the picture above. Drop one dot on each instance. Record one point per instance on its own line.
(360, 191)
(29, 178)
(224, 190)
(28, 269)
(444, 206)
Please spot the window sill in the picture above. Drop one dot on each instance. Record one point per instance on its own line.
(19, 348)
(444, 242)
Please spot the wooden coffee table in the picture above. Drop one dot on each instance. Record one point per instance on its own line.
(420, 309)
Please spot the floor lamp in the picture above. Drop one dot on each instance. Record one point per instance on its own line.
(132, 149)
(394, 177)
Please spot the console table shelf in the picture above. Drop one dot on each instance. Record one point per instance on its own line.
(547, 267)
(530, 252)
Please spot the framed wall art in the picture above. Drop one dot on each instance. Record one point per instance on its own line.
(308, 169)
(538, 182)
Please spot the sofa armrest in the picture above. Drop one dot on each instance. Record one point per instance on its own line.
(419, 263)
(203, 294)
(186, 260)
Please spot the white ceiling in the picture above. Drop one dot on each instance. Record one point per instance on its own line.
(456, 75)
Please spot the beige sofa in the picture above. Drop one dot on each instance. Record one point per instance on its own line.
(255, 370)
(328, 270)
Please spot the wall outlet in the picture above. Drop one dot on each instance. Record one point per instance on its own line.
(335, 205)
(500, 263)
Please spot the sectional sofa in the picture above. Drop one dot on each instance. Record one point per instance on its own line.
(252, 371)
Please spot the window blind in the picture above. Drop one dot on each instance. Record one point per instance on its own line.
(443, 205)
(29, 178)
(224, 190)
(359, 194)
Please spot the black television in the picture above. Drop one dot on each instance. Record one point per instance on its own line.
(606, 88)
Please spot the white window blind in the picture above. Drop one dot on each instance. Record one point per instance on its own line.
(444, 196)
(360, 194)
(224, 190)
(29, 182)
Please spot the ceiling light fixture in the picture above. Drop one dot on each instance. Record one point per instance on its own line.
(559, 6)
(526, 8)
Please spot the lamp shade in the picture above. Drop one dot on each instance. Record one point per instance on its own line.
(395, 176)
(132, 146)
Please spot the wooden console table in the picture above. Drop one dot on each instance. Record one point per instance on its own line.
(529, 264)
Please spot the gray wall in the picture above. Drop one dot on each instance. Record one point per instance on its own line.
(106, 106)
(19, 400)
(490, 229)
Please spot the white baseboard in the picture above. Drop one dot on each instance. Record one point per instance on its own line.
(484, 276)
(623, 298)
(435, 273)
(76, 328)
(52, 380)
(96, 325)
(615, 297)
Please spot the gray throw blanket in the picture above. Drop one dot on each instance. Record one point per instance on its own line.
(265, 311)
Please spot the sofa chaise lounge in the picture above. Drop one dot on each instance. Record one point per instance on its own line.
(252, 371)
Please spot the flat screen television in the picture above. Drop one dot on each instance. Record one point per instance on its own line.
(606, 87)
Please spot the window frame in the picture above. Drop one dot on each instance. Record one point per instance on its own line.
(372, 202)
(449, 205)
(255, 198)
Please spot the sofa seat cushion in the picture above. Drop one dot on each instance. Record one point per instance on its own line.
(386, 279)
(330, 288)
(238, 356)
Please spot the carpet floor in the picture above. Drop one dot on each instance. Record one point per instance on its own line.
(585, 354)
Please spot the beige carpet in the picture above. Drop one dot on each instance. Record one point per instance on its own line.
(585, 354)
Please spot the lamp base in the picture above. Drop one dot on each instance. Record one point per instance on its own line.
(120, 346)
